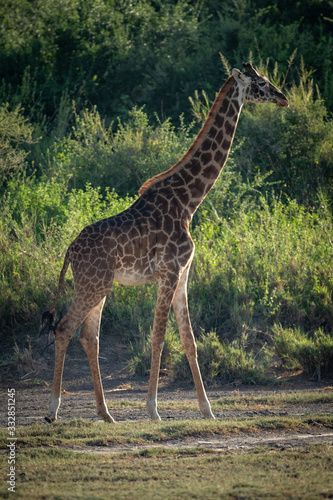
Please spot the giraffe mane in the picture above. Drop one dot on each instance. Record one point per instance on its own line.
(198, 141)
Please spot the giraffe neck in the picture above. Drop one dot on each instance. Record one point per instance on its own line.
(190, 180)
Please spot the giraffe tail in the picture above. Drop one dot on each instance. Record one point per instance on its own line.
(61, 278)
(48, 316)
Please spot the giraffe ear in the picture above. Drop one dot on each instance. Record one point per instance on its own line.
(239, 76)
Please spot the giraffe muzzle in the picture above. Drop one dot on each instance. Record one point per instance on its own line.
(282, 101)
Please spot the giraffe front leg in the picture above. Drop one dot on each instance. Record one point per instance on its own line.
(188, 343)
(156, 352)
(164, 299)
(90, 340)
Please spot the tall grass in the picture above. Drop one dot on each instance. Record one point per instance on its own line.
(272, 264)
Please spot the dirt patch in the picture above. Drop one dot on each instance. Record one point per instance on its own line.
(277, 440)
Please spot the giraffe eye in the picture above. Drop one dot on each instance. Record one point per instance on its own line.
(261, 84)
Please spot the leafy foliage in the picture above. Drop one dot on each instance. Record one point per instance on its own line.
(15, 132)
(37, 223)
(123, 159)
(116, 55)
(314, 354)
(222, 362)
(268, 265)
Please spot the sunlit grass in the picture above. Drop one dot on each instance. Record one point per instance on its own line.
(142, 432)
(297, 473)
(237, 401)
(279, 400)
(80, 432)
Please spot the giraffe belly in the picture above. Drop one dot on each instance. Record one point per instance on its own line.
(132, 278)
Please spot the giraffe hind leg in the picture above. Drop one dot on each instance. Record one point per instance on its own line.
(63, 334)
(90, 340)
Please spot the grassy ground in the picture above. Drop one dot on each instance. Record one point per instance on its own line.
(241, 401)
(262, 473)
(46, 467)
(80, 432)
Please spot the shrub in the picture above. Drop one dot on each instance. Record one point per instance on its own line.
(121, 160)
(228, 363)
(314, 354)
(256, 268)
(294, 146)
(15, 131)
(37, 223)
(219, 362)
(116, 55)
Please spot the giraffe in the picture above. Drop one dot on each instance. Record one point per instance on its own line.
(150, 241)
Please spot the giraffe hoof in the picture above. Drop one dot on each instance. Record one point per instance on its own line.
(49, 420)
(210, 416)
(155, 416)
(206, 410)
(156, 419)
(107, 418)
(152, 410)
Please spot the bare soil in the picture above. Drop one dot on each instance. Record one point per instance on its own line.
(33, 385)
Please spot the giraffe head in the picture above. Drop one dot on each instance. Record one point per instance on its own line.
(257, 88)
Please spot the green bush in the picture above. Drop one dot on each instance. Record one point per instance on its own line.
(37, 223)
(261, 266)
(15, 133)
(228, 363)
(115, 55)
(314, 354)
(219, 362)
(293, 146)
(121, 159)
